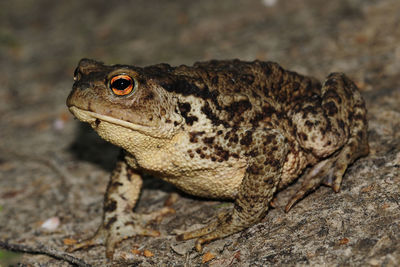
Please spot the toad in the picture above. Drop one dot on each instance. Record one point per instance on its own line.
(219, 129)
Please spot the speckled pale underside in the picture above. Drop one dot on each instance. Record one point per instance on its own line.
(201, 178)
(220, 129)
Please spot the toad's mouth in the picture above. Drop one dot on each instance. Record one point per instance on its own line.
(94, 118)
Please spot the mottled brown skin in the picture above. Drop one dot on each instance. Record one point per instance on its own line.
(220, 129)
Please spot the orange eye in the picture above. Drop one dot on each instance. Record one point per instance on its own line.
(122, 84)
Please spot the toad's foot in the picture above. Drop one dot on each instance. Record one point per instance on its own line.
(217, 229)
(329, 172)
(115, 230)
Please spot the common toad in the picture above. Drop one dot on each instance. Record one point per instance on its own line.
(218, 129)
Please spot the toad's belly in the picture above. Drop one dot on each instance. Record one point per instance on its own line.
(196, 176)
(216, 183)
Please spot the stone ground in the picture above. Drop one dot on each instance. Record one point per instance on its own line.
(52, 166)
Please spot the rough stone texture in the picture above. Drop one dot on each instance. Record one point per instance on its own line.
(52, 166)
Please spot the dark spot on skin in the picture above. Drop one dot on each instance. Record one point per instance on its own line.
(181, 86)
(190, 120)
(253, 153)
(129, 223)
(247, 78)
(268, 139)
(331, 93)
(303, 136)
(247, 138)
(348, 156)
(257, 118)
(110, 222)
(309, 109)
(194, 135)
(223, 154)
(331, 82)
(235, 155)
(252, 169)
(97, 122)
(213, 158)
(115, 184)
(340, 123)
(176, 123)
(214, 80)
(358, 116)
(359, 106)
(295, 86)
(279, 115)
(331, 108)
(234, 139)
(110, 206)
(267, 112)
(274, 148)
(237, 108)
(360, 134)
(211, 116)
(219, 132)
(328, 126)
(272, 162)
(309, 125)
(228, 218)
(184, 109)
(168, 121)
(208, 140)
(255, 95)
(226, 137)
(238, 208)
(186, 87)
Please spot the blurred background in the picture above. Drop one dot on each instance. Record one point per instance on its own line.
(52, 167)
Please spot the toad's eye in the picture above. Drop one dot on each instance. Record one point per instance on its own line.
(122, 85)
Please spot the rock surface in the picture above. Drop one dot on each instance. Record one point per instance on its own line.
(52, 167)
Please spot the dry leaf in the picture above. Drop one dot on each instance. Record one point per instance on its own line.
(136, 251)
(148, 253)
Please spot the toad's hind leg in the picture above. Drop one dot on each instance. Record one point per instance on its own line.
(255, 192)
(341, 101)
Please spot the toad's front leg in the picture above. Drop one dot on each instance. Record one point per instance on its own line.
(255, 193)
(119, 221)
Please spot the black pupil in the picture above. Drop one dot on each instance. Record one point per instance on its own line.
(121, 84)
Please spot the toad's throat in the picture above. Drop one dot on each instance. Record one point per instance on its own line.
(93, 118)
